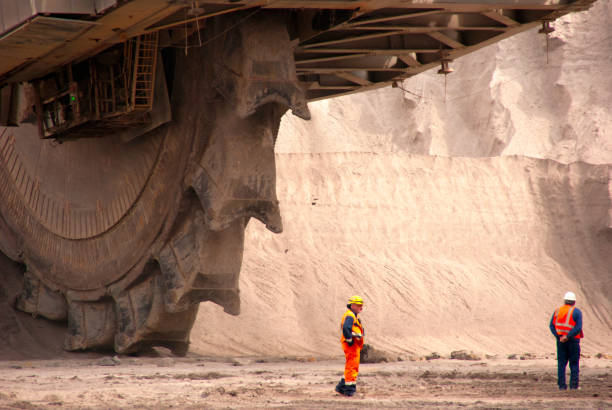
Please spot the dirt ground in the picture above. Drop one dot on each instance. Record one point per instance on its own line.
(111, 382)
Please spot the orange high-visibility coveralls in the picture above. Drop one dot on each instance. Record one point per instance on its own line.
(351, 353)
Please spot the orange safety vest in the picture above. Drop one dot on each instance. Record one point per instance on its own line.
(564, 322)
(357, 327)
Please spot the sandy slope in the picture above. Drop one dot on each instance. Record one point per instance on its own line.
(449, 253)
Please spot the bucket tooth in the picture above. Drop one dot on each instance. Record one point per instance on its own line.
(143, 321)
(222, 208)
(199, 264)
(236, 176)
(263, 57)
(37, 299)
(91, 325)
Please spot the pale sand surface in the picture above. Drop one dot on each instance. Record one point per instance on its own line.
(198, 382)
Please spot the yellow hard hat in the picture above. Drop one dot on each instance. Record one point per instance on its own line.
(358, 300)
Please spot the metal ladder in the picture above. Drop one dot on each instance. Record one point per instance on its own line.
(143, 83)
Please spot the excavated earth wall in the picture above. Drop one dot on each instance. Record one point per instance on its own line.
(450, 253)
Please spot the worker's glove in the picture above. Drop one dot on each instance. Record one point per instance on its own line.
(349, 342)
(357, 335)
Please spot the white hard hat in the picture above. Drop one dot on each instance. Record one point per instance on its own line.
(570, 296)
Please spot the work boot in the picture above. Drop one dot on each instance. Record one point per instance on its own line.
(350, 390)
(340, 387)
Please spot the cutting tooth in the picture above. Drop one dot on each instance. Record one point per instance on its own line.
(236, 176)
(91, 324)
(265, 61)
(142, 320)
(129, 319)
(38, 299)
(199, 264)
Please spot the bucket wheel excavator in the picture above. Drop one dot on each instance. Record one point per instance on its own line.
(137, 137)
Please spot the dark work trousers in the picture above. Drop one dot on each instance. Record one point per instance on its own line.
(568, 351)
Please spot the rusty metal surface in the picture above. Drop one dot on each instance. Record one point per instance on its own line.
(15, 12)
(116, 26)
(36, 38)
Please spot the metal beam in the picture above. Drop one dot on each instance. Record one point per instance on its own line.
(393, 18)
(409, 60)
(331, 58)
(317, 86)
(320, 70)
(442, 38)
(495, 15)
(350, 39)
(372, 51)
(353, 78)
(426, 29)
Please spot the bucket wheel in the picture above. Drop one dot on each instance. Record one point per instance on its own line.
(125, 239)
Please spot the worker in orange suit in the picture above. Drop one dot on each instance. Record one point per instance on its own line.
(352, 342)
